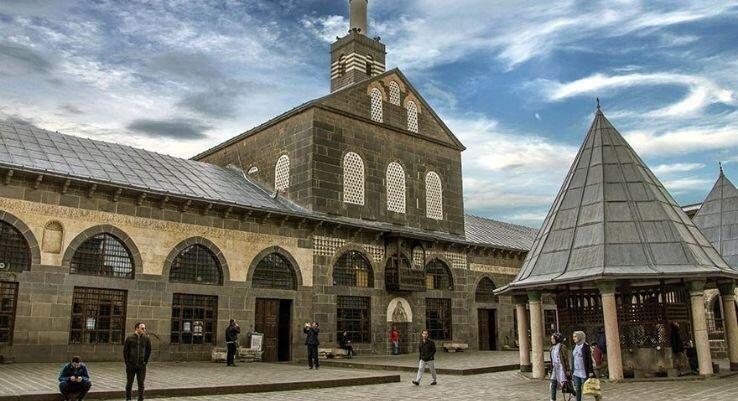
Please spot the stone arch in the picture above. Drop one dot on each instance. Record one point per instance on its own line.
(410, 97)
(224, 269)
(446, 266)
(100, 229)
(281, 252)
(53, 237)
(394, 305)
(377, 85)
(478, 282)
(26, 232)
(363, 252)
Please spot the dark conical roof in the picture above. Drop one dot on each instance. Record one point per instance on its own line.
(613, 219)
(718, 219)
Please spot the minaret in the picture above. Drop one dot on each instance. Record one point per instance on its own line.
(356, 57)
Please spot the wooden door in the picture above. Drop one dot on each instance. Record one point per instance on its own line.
(492, 327)
(267, 322)
(483, 318)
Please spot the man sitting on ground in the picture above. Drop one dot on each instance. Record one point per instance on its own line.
(74, 379)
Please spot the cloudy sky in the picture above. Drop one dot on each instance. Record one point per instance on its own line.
(515, 80)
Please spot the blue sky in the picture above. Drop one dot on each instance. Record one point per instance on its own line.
(515, 80)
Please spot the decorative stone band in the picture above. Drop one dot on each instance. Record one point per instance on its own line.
(355, 61)
(327, 246)
(493, 269)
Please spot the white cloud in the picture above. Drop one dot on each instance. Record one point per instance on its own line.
(683, 141)
(683, 185)
(676, 168)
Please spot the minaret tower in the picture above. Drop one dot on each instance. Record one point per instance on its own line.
(356, 57)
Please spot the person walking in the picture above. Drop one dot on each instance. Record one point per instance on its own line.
(559, 363)
(395, 339)
(74, 378)
(231, 335)
(344, 342)
(581, 362)
(311, 331)
(427, 351)
(599, 353)
(677, 348)
(136, 353)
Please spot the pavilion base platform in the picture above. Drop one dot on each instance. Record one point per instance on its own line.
(38, 381)
(455, 363)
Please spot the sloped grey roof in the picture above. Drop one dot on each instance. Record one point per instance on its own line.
(488, 231)
(40, 151)
(613, 219)
(50, 152)
(718, 219)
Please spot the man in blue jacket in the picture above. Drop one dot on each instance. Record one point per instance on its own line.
(74, 379)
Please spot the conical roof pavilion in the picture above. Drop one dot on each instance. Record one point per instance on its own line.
(718, 219)
(613, 219)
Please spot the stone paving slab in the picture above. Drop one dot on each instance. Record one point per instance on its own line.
(38, 381)
(452, 363)
(496, 386)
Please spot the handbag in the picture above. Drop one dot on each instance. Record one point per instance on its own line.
(592, 387)
(567, 387)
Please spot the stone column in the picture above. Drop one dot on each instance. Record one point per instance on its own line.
(612, 330)
(727, 292)
(536, 334)
(523, 343)
(699, 326)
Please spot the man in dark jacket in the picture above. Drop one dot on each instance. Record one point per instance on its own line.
(231, 334)
(311, 331)
(427, 351)
(136, 353)
(677, 347)
(74, 379)
(344, 342)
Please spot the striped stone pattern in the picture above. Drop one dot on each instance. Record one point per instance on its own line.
(355, 61)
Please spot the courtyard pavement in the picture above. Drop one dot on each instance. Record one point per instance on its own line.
(34, 380)
(455, 363)
(496, 386)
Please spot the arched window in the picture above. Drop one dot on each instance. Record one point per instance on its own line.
(15, 253)
(103, 255)
(438, 276)
(353, 179)
(394, 95)
(376, 105)
(274, 271)
(282, 173)
(485, 291)
(196, 264)
(353, 270)
(395, 188)
(412, 116)
(433, 196)
(369, 65)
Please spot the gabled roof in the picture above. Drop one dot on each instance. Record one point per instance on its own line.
(718, 219)
(320, 102)
(37, 151)
(613, 219)
(488, 231)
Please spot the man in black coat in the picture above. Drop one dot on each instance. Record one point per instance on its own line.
(427, 354)
(136, 353)
(311, 331)
(231, 335)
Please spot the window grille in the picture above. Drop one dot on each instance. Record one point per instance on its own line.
(418, 257)
(103, 255)
(282, 173)
(98, 316)
(8, 302)
(353, 179)
(376, 105)
(15, 253)
(196, 264)
(274, 271)
(194, 319)
(352, 269)
(438, 276)
(394, 93)
(433, 196)
(353, 315)
(395, 188)
(485, 291)
(412, 116)
(438, 318)
(369, 65)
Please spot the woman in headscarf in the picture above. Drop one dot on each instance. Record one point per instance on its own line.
(581, 362)
(559, 363)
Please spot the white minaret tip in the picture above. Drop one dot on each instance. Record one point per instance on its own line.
(358, 16)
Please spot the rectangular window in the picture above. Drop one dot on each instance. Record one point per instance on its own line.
(98, 316)
(194, 319)
(438, 318)
(8, 301)
(354, 316)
